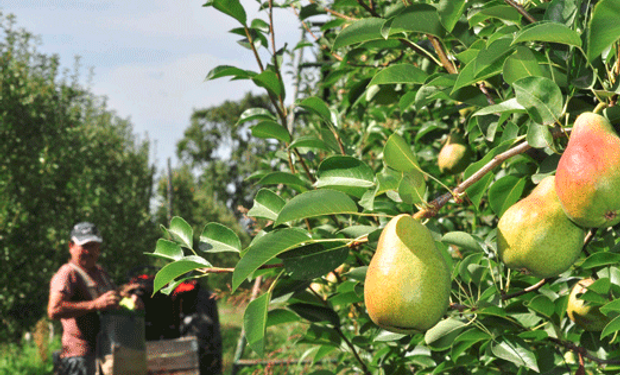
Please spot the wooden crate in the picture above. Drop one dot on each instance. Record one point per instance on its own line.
(173, 357)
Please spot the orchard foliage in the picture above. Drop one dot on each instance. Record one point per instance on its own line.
(359, 145)
(66, 158)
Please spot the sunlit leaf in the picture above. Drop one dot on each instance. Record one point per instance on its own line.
(548, 31)
(265, 248)
(359, 31)
(316, 203)
(177, 268)
(541, 97)
(216, 238)
(267, 204)
(182, 232)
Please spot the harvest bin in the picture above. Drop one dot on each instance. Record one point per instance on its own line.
(121, 344)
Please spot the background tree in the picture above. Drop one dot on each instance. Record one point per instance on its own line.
(223, 153)
(65, 158)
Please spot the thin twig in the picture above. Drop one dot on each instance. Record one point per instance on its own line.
(334, 13)
(531, 288)
(232, 269)
(521, 11)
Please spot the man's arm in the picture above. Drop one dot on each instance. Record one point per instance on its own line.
(60, 307)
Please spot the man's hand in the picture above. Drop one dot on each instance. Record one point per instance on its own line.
(106, 301)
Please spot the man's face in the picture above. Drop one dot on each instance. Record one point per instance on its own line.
(85, 255)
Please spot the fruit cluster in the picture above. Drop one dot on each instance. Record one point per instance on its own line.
(542, 234)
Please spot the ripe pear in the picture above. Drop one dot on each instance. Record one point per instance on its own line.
(408, 282)
(588, 174)
(586, 316)
(455, 155)
(536, 236)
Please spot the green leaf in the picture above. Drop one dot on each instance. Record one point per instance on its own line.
(269, 80)
(167, 250)
(312, 261)
(177, 268)
(504, 193)
(521, 64)
(281, 316)
(181, 232)
(359, 31)
(398, 155)
(227, 70)
(562, 11)
(309, 141)
(419, 18)
(548, 31)
(316, 203)
(315, 313)
(319, 107)
(217, 238)
(539, 136)
(255, 114)
(604, 28)
(600, 259)
(476, 191)
(508, 106)
(611, 327)
(267, 205)
(541, 97)
(232, 8)
(502, 12)
(270, 129)
(488, 63)
(442, 335)
(345, 173)
(449, 12)
(265, 248)
(399, 73)
(515, 351)
(276, 178)
(542, 305)
(611, 307)
(255, 323)
(412, 187)
(463, 240)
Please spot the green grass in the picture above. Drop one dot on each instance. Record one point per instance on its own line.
(23, 358)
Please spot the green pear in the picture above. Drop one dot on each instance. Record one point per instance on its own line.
(127, 303)
(535, 235)
(408, 282)
(455, 155)
(584, 315)
(588, 174)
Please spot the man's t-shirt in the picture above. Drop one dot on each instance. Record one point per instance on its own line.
(79, 335)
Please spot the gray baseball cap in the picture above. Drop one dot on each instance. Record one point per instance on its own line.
(85, 232)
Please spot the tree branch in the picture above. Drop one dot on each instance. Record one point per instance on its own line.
(443, 57)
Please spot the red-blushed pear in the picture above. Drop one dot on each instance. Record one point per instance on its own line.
(588, 174)
(535, 235)
(408, 283)
(588, 317)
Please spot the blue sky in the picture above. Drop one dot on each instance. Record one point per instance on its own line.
(149, 57)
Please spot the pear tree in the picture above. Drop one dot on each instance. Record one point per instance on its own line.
(378, 89)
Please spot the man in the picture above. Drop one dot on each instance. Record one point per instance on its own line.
(78, 290)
